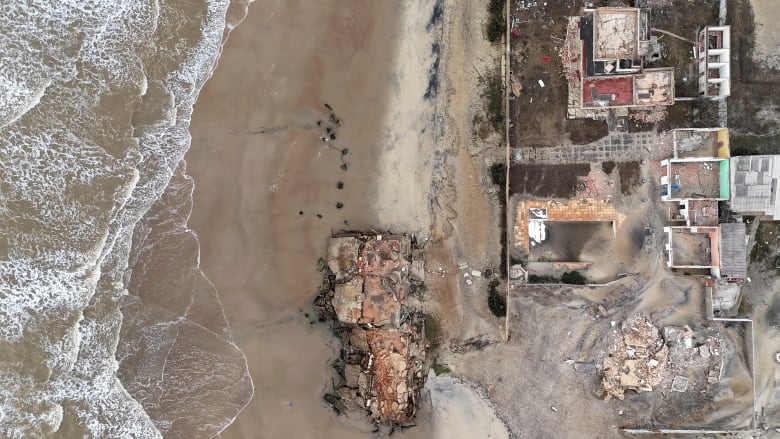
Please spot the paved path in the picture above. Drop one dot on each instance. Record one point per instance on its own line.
(619, 147)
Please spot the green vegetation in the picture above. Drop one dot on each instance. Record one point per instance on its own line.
(432, 332)
(496, 25)
(440, 368)
(498, 174)
(493, 98)
(536, 279)
(496, 300)
(608, 166)
(573, 278)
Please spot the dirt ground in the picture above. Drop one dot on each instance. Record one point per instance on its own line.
(538, 115)
(683, 18)
(544, 379)
(754, 121)
(546, 181)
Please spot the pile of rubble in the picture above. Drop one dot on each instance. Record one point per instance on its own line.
(678, 359)
(364, 290)
(385, 373)
(694, 356)
(636, 361)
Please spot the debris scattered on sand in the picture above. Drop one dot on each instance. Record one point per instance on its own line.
(643, 358)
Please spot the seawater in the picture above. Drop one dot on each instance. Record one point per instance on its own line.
(107, 327)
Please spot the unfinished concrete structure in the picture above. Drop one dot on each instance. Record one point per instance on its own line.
(703, 178)
(722, 250)
(700, 142)
(721, 297)
(603, 63)
(688, 145)
(560, 236)
(754, 185)
(713, 52)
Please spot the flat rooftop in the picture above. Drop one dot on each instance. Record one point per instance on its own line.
(615, 33)
(615, 91)
(654, 87)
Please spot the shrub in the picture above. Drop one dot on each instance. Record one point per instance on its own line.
(574, 278)
(493, 98)
(496, 300)
(495, 26)
(432, 331)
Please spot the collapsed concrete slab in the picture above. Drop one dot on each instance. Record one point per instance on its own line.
(643, 359)
(636, 361)
(382, 358)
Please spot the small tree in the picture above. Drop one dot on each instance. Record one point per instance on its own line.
(573, 278)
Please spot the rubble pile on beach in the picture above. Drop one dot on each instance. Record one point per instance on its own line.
(382, 361)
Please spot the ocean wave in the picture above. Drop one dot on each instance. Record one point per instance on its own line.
(97, 98)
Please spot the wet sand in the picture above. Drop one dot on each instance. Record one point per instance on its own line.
(267, 189)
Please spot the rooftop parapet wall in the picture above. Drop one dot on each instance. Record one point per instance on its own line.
(570, 211)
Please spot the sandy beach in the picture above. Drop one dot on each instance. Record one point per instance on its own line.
(258, 161)
(269, 190)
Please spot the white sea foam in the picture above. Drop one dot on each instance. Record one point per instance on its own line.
(83, 158)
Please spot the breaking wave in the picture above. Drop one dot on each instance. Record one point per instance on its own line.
(99, 335)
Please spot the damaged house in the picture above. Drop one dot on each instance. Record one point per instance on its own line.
(365, 287)
(603, 61)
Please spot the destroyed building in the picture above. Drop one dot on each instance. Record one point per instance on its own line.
(542, 231)
(644, 358)
(364, 291)
(603, 61)
(636, 360)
